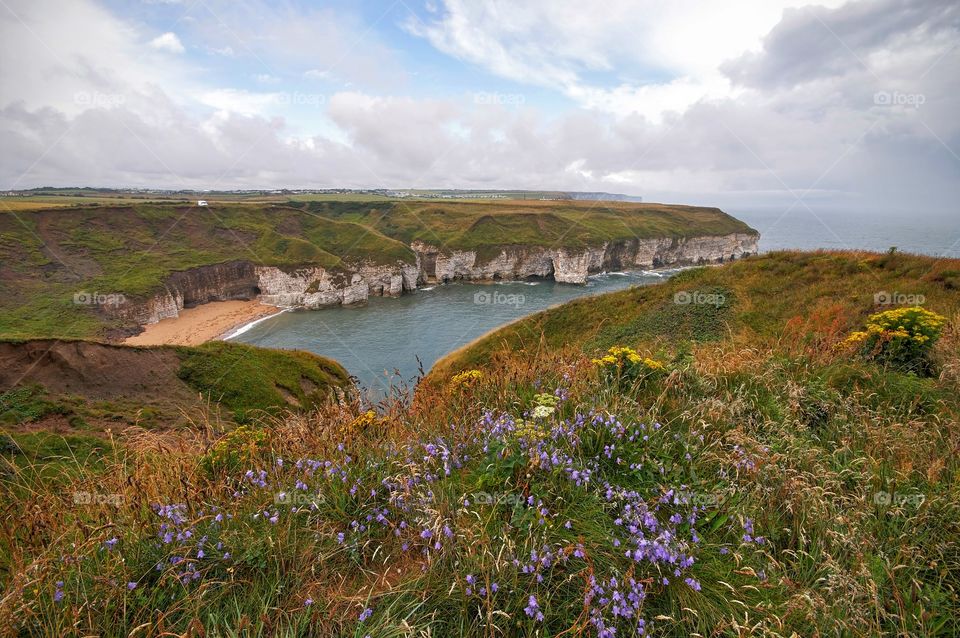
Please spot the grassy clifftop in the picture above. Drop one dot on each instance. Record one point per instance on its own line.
(763, 474)
(48, 256)
(485, 226)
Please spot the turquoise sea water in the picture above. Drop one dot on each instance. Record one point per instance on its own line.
(388, 340)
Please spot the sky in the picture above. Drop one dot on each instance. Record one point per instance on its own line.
(845, 105)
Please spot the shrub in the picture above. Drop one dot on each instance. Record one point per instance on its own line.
(466, 378)
(624, 368)
(902, 338)
(25, 405)
(235, 450)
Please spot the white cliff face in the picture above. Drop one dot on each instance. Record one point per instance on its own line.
(315, 287)
(568, 265)
(309, 287)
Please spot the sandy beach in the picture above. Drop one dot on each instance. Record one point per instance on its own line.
(202, 323)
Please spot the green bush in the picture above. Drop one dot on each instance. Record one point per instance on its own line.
(624, 368)
(901, 338)
(234, 450)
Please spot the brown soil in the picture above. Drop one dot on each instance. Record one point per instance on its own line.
(109, 387)
(93, 370)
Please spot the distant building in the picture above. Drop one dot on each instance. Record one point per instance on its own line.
(201, 202)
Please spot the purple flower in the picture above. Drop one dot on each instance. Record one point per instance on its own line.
(693, 584)
(366, 613)
(110, 544)
(131, 586)
(533, 609)
(308, 602)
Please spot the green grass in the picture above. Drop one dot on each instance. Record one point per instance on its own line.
(483, 225)
(26, 404)
(51, 460)
(246, 379)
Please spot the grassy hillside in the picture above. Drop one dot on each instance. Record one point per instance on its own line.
(750, 470)
(764, 300)
(485, 226)
(48, 256)
(84, 387)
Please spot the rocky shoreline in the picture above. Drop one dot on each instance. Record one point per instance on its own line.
(314, 287)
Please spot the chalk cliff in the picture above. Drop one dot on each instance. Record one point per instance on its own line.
(573, 265)
(315, 287)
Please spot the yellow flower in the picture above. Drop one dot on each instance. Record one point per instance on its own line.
(466, 377)
(363, 421)
(653, 364)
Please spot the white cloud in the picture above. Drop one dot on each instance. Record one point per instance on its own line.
(167, 42)
(81, 56)
(664, 56)
(279, 39)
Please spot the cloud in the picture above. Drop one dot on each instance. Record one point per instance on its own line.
(814, 42)
(640, 115)
(277, 38)
(167, 42)
(663, 56)
(80, 50)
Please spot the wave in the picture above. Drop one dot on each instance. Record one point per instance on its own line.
(243, 328)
